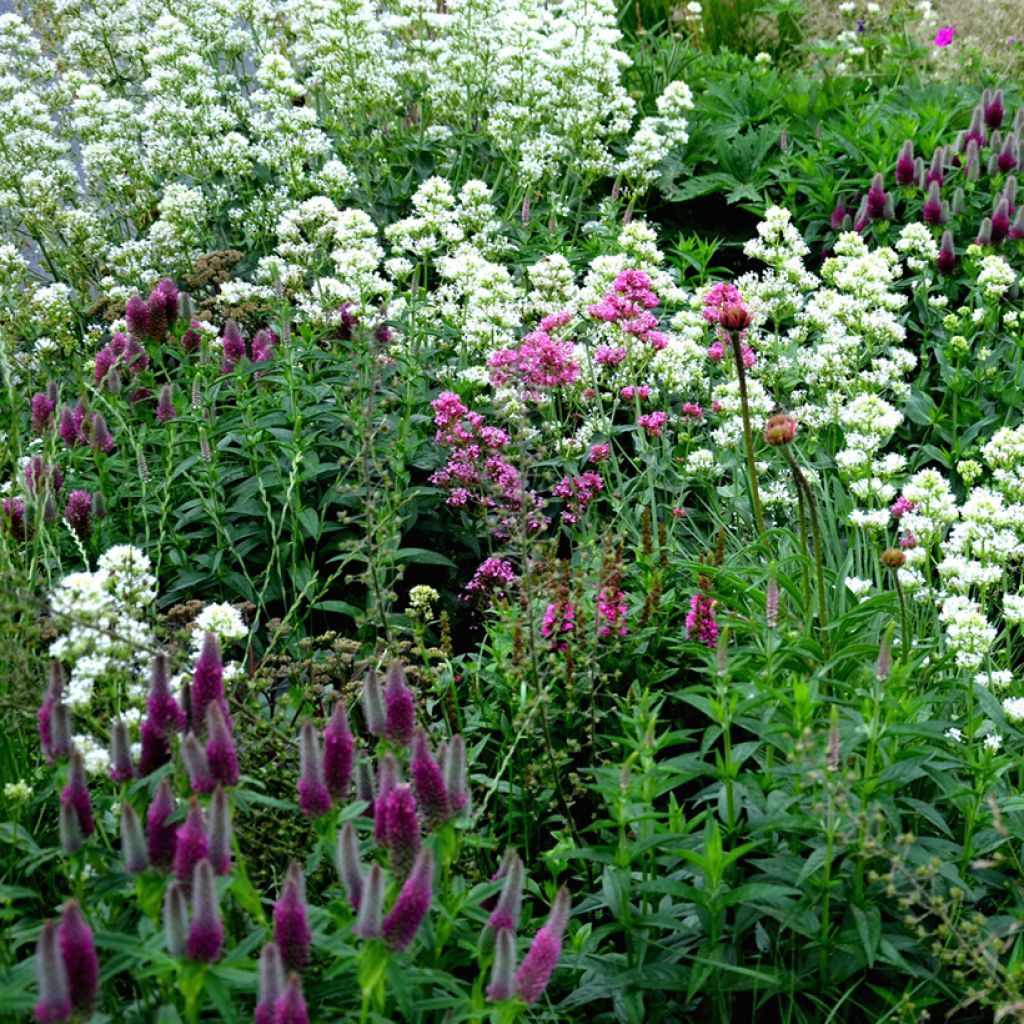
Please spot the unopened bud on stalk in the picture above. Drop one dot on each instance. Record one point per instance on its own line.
(176, 919)
(373, 704)
(314, 799)
(350, 867)
(271, 983)
(371, 907)
(133, 843)
(504, 968)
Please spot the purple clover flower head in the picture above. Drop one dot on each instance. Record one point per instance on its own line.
(70, 831)
(387, 779)
(263, 344)
(156, 748)
(932, 212)
(994, 111)
(350, 867)
(984, 232)
(165, 411)
(136, 316)
(539, 963)
(66, 427)
(77, 512)
(192, 338)
(1017, 228)
(290, 1007)
(54, 1004)
(161, 835)
(976, 129)
(339, 751)
(428, 782)
(905, 164)
(76, 795)
(455, 773)
(233, 347)
(373, 704)
(347, 321)
(164, 711)
(162, 309)
(505, 915)
(314, 799)
(271, 983)
(876, 198)
(42, 412)
(207, 680)
(121, 769)
(1006, 162)
(220, 832)
(133, 842)
(402, 829)
(839, 214)
(503, 971)
(206, 932)
(54, 692)
(60, 724)
(13, 518)
(936, 171)
(102, 440)
(291, 926)
(369, 920)
(1001, 220)
(197, 765)
(176, 919)
(400, 715)
(405, 917)
(191, 843)
(947, 254)
(78, 952)
(220, 748)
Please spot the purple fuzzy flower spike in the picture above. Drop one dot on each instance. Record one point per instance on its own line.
(121, 769)
(428, 781)
(77, 513)
(263, 344)
(191, 843)
(369, 920)
(54, 1003)
(1001, 220)
(402, 829)
(1017, 228)
(976, 131)
(994, 111)
(220, 748)
(197, 765)
(506, 913)
(291, 1004)
(207, 681)
(78, 952)
(61, 740)
(161, 835)
(839, 214)
(405, 917)
(905, 164)
(162, 309)
(1006, 162)
(503, 972)
(314, 799)
(339, 751)
(291, 927)
(400, 715)
(137, 317)
(876, 198)
(176, 919)
(271, 983)
(537, 967)
(70, 831)
(206, 933)
(156, 748)
(932, 212)
(42, 412)
(387, 779)
(164, 711)
(76, 795)
(165, 411)
(935, 169)
(947, 254)
(350, 867)
(220, 832)
(54, 692)
(133, 843)
(373, 704)
(102, 440)
(233, 347)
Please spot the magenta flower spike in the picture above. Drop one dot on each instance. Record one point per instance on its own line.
(369, 920)
(291, 926)
(161, 835)
(947, 255)
(455, 777)
(387, 779)
(402, 829)
(233, 347)
(78, 952)
(133, 843)
(176, 919)
(54, 692)
(206, 932)
(102, 440)
(932, 212)
(165, 411)
(350, 866)
(54, 1004)
(291, 1004)
(1006, 162)
(876, 198)
(503, 971)
(61, 740)
(314, 799)
(76, 795)
(539, 963)
(510, 902)
(271, 983)
(339, 751)
(994, 111)
(191, 843)
(164, 711)
(373, 704)
(431, 793)
(121, 769)
(905, 164)
(262, 346)
(405, 917)
(77, 513)
(220, 748)
(136, 316)
(156, 747)
(197, 765)
(42, 412)
(400, 715)
(207, 681)
(1001, 220)
(936, 170)
(220, 832)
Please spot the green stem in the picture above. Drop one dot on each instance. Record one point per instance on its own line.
(748, 436)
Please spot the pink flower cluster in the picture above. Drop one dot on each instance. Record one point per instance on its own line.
(628, 304)
(608, 356)
(611, 606)
(578, 492)
(693, 411)
(700, 621)
(559, 619)
(599, 452)
(641, 393)
(493, 575)
(653, 423)
(539, 362)
(902, 505)
(120, 350)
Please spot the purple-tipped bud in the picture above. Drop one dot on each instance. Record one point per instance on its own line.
(1017, 227)
(207, 681)
(936, 171)
(339, 750)
(369, 920)
(373, 704)
(102, 440)
(54, 691)
(191, 843)
(76, 795)
(136, 316)
(121, 769)
(838, 216)
(959, 201)
(42, 412)
(262, 347)
(54, 1003)
(206, 932)
(387, 779)
(1010, 191)
(506, 912)
(60, 724)
(995, 110)
(67, 428)
(455, 773)
(861, 218)
(78, 952)
(165, 411)
(70, 831)
(1001, 220)
(233, 347)
(503, 972)
(364, 781)
(984, 232)
(1006, 162)
(428, 782)
(947, 254)
(164, 711)
(291, 927)
(176, 919)
(314, 799)
(220, 832)
(133, 843)
(197, 765)
(401, 711)
(192, 338)
(161, 835)
(271, 983)
(933, 205)
(162, 309)
(402, 829)
(905, 164)
(876, 198)
(920, 178)
(291, 1004)
(350, 867)
(76, 513)
(972, 161)
(156, 748)
(405, 917)
(220, 748)
(976, 131)
(13, 519)
(539, 963)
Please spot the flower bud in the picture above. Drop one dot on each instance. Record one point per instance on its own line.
(162, 708)
(503, 972)
(70, 830)
(191, 843)
(455, 773)
(220, 747)
(220, 832)
(1001, 220)
(893, 558)
(76, 795)
(505, 915)
(120, 753)
(932, 212)
(206, 932)
(339, 750)
(78, 952)
(387, 779)
(428, 782)
(207, 681)
(780, 429)
(314, 799)
(400, 709)
(402, 829)
(176, 919)
(291, 927)
(350, 867)
(371, 906)
(405, 917)
(271, 983)
(133, 843)
(947, 254)
(373, 704)
(539, 963)
(291, 1004)
(161, 835)
(197, 765)
(905, 164)
(54, 1003)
